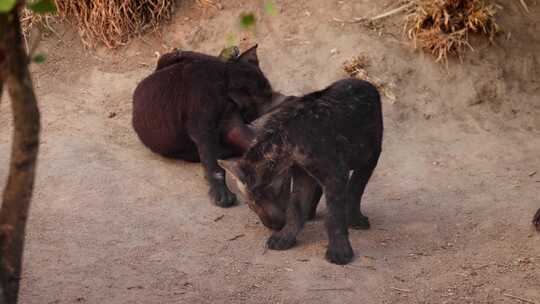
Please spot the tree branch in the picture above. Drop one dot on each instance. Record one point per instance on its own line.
(26, 126)
(2, 63)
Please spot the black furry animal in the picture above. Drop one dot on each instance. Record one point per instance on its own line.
(536, 220)
(319, 139)
(186, 106)
(227, 54)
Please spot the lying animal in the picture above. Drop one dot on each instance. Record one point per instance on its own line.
(227, 54)
(318, 139)
(184, 109)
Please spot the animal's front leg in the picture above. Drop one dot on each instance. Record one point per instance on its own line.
(298, 209)
(209, 150)
(286, 237)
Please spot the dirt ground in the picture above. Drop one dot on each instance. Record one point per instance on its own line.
(450, 203)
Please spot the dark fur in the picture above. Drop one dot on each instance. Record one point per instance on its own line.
(536, 220)
(319, 139)
(185, 107)
(227, 54)
(174, 57)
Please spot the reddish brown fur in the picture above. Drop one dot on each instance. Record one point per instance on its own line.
(186, 107)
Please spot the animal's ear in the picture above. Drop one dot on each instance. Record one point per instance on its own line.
(229, 53)
(250, 56)
(233, 168)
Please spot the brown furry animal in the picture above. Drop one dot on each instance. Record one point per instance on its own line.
(184, 109)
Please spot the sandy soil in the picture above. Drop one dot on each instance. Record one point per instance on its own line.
(450, 203)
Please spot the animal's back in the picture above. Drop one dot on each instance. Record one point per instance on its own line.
(345, 117)
(161, 106)
(179, 56)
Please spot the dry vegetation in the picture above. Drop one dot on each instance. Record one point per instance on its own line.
(357, 68)
(442, 27)
(111, 22)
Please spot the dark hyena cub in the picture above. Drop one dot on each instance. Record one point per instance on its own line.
(187, 106)
(319, 139)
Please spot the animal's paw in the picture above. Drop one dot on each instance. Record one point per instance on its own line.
(222, 196)
(536, 220)
(340, 254)
(280, 242)
(359, 221)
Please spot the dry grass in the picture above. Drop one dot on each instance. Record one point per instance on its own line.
(111, 22)
(30, 20)
(357, 68)
(442, 27)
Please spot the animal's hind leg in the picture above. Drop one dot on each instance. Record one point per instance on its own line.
(355, 190)
(333, 177)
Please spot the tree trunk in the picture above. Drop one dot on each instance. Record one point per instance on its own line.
(17, 194)
(2, 298)
(1, 82)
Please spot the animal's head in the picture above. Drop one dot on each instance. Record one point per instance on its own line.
(267, 200)
(248, 88)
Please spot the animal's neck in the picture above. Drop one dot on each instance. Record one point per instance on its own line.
(277, 100)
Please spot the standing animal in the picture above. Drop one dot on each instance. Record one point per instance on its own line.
(185, 107)
(536, 220)
(318, 139)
